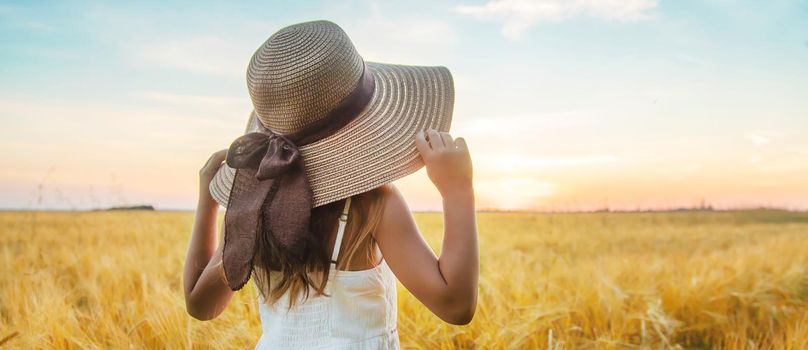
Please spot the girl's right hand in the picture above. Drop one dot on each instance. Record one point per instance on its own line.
(208, 172)
(447, 161)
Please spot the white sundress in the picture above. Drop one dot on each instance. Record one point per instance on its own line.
(358, 313)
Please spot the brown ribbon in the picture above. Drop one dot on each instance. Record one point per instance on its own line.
(271, 194)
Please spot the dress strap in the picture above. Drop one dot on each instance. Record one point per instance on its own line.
(343, 220)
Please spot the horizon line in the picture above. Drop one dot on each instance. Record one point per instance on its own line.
(483, 210)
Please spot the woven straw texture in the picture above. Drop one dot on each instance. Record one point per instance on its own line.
(304, 71)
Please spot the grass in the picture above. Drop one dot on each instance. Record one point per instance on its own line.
(723, 280)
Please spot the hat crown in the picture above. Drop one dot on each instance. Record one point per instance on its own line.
(301, 73)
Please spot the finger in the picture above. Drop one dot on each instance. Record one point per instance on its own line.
(448, 142)
(461, 145)
(422, 144)
(218, 157)
(434, 139)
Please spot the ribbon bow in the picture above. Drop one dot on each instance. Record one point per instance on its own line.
(272, 174)
(271, 194)
(273, 153)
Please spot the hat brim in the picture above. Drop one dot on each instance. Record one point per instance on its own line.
(378, 146)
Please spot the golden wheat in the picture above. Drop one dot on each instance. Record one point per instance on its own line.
(735, 280)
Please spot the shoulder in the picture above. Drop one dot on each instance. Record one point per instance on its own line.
(395, 213)
(391, 197)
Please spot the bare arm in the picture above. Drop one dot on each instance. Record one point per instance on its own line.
(206, 290)
(447, 285)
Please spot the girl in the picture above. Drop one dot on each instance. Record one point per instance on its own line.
(311, 214)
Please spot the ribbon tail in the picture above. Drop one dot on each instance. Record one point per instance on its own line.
(289, 221)
(242, 225)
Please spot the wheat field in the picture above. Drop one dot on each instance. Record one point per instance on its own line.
(697, 280)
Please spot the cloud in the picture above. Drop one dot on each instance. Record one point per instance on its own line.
(522, 124)
(15, 16)
(519, 163)
(51, 53)
(519, 15)
(204, 101)
(127, 125)
(763, 137)
(378, 37)
(690, 59)
(514, 192)
(758, 139)
(400, 38)
(207, 54)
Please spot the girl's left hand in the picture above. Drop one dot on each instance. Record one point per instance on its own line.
(447, 161)
(207, 173)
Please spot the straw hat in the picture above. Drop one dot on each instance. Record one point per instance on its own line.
(305, 70)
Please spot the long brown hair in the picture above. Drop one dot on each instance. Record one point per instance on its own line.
(301, 274)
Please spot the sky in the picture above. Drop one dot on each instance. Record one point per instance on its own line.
(565, 104)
